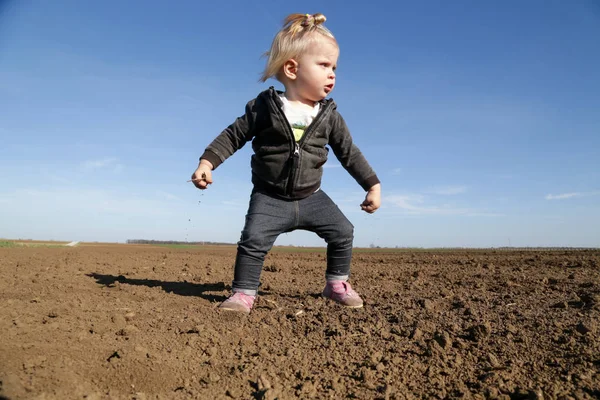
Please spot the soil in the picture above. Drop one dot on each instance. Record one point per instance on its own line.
(141, 322)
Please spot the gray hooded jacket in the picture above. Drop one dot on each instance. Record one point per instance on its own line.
(280, 165)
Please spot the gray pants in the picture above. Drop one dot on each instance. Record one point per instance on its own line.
(270, 216)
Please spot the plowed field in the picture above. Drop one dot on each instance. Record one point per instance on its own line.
(140, 322)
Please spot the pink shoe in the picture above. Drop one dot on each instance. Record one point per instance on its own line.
(239, 302)
(341, 292)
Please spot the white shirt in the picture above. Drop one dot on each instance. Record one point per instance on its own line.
(299, 116)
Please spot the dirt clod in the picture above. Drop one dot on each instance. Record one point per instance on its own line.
(262, 383)
(234, 393)
(428, 305)
(416, 334)
(493, 360)
(480, 332)
(443, 339)
(586, 327)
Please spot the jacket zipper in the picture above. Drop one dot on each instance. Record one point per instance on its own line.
(295, 160)
(313, 124)
(295, 154)
(294, 150)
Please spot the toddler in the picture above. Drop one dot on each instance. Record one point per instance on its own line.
(289, 132)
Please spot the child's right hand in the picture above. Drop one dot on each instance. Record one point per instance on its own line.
(202, 177)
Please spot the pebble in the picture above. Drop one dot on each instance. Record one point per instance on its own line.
(443, 339)
(129, 330)
(416, 334)
(493, 361)
(376, 357)
(118, 320)
(234, 393)
(428, 305)
(211, 351)
(263, 383)
(586, 327)
(480, 332)
(562, 305)
(93, 396)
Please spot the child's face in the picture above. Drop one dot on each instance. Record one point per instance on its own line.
(315, 72)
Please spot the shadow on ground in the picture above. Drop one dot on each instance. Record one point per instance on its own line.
(180, 288)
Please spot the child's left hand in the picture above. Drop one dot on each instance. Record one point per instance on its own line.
(372, 200)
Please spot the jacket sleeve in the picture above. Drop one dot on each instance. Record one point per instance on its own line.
(233, 138)
(349, 155)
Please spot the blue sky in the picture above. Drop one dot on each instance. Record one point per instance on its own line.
(481, 118)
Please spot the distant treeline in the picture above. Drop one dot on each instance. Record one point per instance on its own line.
(146, 241)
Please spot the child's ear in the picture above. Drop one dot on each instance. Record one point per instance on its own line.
(290, 69)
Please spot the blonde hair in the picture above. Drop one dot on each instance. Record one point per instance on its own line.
(299, 30)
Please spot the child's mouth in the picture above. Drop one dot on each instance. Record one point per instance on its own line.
(328, 88)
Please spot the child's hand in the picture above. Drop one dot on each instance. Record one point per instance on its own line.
(372, 200)
(202, 177)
